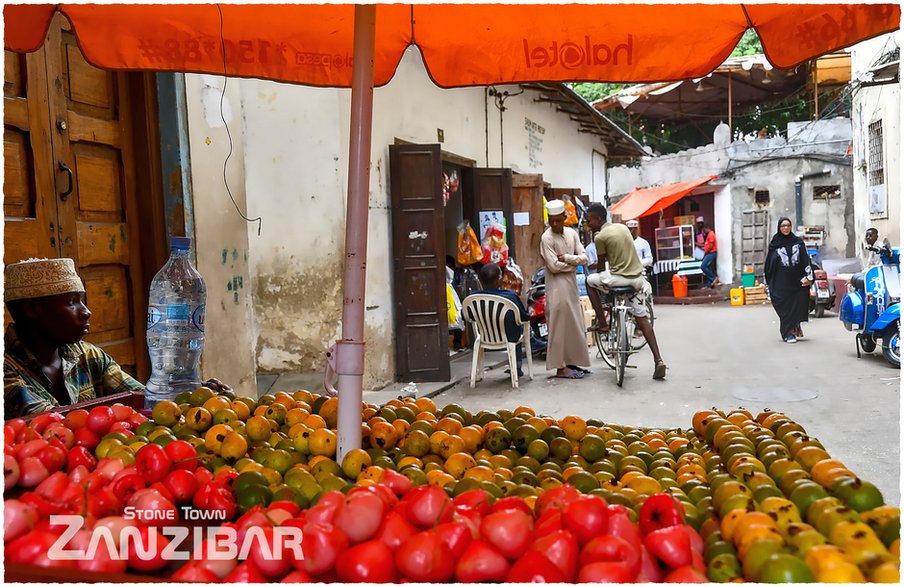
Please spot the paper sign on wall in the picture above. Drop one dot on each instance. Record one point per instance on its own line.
(522, 218)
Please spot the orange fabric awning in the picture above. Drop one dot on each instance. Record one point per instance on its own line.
(462, 44)
(646, 201)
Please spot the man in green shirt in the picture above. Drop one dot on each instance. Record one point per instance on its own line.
(615, 244)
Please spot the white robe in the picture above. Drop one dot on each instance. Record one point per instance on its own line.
(567, 338)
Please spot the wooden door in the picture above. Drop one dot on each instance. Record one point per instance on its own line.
(754, 233)
(490, 189)
(81, 157)
(527, 197)
(419, 270)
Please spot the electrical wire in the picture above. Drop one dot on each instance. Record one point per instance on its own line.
(259, 220)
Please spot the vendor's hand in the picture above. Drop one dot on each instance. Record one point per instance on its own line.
(217, 385)
(561, 258)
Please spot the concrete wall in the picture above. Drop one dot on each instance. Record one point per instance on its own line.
(770, 164)
(292, 163)
(869, 105)
(221, 236)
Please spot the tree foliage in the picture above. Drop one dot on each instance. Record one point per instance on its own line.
(593, 91)
(748, 45)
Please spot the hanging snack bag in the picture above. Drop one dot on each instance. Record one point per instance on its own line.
(469, 249)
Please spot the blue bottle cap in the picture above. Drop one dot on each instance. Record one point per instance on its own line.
(180, 243)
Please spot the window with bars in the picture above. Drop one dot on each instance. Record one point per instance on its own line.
(876, 168)
(761, 197)
(826, 192)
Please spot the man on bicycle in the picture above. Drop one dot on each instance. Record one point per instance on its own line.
(615, 245)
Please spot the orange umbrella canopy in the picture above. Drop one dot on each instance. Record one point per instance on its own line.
(646, 201)
(462, 44)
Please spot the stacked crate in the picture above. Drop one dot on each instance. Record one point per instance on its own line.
(755, 295)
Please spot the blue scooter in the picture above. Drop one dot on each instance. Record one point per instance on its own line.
(872, 306)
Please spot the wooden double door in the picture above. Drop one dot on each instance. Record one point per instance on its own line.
(419, 251)
(70, 183)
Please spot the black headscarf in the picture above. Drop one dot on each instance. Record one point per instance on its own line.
(781, 240)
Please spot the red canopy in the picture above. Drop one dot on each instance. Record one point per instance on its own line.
(462, 44)
(643, 202)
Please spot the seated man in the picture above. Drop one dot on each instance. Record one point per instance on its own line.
(615, 245)
(46, 364)
(490, 276)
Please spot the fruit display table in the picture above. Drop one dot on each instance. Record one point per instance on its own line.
(433, 495)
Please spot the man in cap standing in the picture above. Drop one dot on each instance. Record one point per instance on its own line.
(562, 252)
(45, 362)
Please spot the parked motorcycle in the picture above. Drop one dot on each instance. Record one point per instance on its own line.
(536, 307)
(872, 306)
(822, 292)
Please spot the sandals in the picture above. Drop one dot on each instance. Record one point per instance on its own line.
(659, 371)
(570, 375)
(580, 369)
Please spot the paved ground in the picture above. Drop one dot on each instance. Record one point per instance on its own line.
(727, 356)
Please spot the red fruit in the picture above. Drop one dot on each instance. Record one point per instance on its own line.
(26, 548)
(456, 536)
(100, 419)
(395, 530)
(671, 545)
(428, 505)
(469, 517)
(153, 463)
(398, 483)
(80, 456)
(54, 487)
(685, 575)
(11, 471)
(245, 573)
(660, 511)
(59, 432)
(607, 548)
(181, 485)
(368, 562)
(696, 540)
(125, 486)
(481, 563)
(477, 499)
(549, 522)
(124, 427)
(289, 507)
(296, 576)
(620, 525)
(533, 567)
(587, 517)
(86, 438)
(40, 423)
(121, 412)
(18, 518)
(324, 512)
(360, 517)
(195, 572)
(30, 448)
(182, 455)
(31, 472)
(75, 419)
(263, 554)
(322, 545)
(561, 548)
(557, 497)
(511, 503)
(146, 555)
(650, 570)
(423, 558)
(383, 492)
(698, 562)
(606, 572)
(510, 531)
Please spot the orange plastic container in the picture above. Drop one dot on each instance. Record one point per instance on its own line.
(679, 286)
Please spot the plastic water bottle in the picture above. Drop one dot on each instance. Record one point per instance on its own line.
(175, 329)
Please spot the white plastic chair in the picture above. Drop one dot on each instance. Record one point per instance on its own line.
(487, 313)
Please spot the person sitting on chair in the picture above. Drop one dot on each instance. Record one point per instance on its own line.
(490, 277)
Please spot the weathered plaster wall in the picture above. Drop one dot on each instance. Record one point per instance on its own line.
(294, 156)
(221, 236)
(871, 104)
(770, 164)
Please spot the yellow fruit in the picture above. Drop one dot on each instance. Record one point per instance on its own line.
(322, 442)
(574, 427)
(887, 572)
(355, 462)
(214, 437)
(329, 411)
(214, 404)
(458, 463)
(234, 446)
(258, 428)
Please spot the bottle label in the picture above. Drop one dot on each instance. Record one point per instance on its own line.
(197, 317)
(154, 316)
(177, 314)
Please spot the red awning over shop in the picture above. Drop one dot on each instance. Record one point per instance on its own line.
(646, 201)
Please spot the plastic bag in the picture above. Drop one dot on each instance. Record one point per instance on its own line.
(494, 248)
(469, 249)
(571, 213)
(453, 309)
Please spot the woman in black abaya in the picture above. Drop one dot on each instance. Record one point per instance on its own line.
(789, 275)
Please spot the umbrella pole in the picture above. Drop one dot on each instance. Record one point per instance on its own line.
(350, 349)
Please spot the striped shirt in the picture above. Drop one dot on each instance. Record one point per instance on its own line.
(88, 373)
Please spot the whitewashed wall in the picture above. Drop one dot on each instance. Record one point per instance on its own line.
(871, 104)
(293, 171)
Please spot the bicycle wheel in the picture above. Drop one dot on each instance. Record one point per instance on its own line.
(605, 344)
(622, 343)
(638, 342)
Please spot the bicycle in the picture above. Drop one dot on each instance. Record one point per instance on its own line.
(618, 343)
